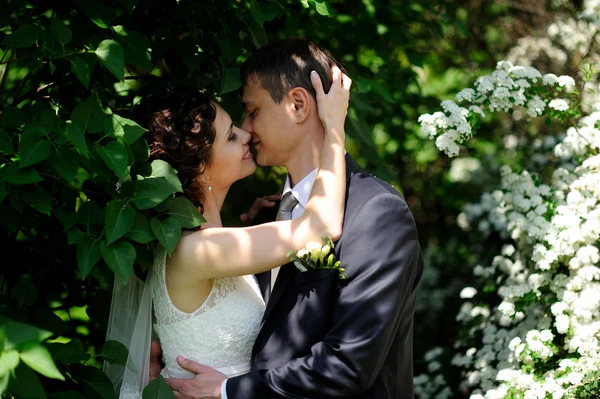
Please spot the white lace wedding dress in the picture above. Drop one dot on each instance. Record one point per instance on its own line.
(219, 334)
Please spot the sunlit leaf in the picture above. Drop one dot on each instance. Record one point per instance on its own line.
(111, 55)
(119, 219)
(38, 358)
(120, 257)
(167, 232)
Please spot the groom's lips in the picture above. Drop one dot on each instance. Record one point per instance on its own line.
(255, 144)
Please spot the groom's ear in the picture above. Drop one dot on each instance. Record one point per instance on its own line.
(300, 103)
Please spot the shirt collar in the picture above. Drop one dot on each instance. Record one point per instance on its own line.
(301, 190)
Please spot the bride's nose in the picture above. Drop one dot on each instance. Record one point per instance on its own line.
(246, 137)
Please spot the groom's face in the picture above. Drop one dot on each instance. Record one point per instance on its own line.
(271, 124)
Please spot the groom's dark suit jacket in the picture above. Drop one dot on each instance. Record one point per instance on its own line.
(323, 337)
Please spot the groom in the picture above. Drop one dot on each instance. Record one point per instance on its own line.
(322, 337)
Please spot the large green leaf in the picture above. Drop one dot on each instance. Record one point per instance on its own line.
(115, 157)
(6, 145)
(70, 352)
(158, 389)
(111, 55)
(33, 147)
(16, 334)
(119, 219)
(26, 384)
(46, 319)
(81, 70)
(117, 126)
(24, 36)
(151, 192)
(186, 213)
(38, 358)
(24, 291)
(88, 116)
(230, 78)
(167, 232)
(15, 175)
(140, 231)
(94, 382)
(88, 254)
(230, 48)
(38, 198)
(114, 352)
(120, 257)
(100, 14)
(65, 162)
(135, 46)
(67, 219)
(160, 168)
(140, 150)
(61, 32)
(75, 135)
(89, 213)
(259, 36)
(9, 360)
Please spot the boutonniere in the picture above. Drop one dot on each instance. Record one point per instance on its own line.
(317, 256)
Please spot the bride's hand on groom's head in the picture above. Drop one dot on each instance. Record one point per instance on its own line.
(268, 201)
(333, 106)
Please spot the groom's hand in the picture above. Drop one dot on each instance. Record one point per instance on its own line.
(155, 363)
(205, 385)
(259, 204)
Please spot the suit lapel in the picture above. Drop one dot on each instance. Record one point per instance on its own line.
(283, 278)
(287, 271)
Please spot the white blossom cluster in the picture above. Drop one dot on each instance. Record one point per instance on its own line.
(542, 340)
(507, 88)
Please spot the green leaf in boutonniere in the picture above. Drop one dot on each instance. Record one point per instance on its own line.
(317, 256)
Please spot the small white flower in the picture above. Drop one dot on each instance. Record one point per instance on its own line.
(559, 104)
(468, 292)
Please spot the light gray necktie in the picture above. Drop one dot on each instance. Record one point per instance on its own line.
(287, 204)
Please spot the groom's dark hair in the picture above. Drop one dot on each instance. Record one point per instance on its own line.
(284, 64)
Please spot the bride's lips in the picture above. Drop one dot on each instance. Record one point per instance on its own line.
(247, 155)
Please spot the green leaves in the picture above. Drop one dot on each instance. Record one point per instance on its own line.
(81, 70)
(119, 220)
(88, 116)
(38, 198)
(111, 55)
(65, 162)
(25, 36)
(114, 352)
(117, 126)
(120, 258)
(114, 156)
(167, 232)
(135, 47)
(38, 358)
(230, 78)
(15, 175)
(158, 389)
(61, 32)
(100, 14)
(33, 147)
(186, 213)
(88, 254)
(94, 382)
(140, 231)
(152, 190)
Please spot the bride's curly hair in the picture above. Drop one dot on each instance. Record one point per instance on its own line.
(181, 132)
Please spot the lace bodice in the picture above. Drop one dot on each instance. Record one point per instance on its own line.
(220, 333)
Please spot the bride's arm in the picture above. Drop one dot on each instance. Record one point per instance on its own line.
(221, 252)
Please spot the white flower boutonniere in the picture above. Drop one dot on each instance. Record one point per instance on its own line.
(317, 256)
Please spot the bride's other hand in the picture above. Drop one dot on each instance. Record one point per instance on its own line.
(268, 201)
(333, 106)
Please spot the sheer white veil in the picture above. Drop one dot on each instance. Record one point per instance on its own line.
(130, 322)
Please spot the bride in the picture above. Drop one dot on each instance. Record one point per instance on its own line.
(202, 308)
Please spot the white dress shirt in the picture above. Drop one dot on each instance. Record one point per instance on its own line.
(302, 192)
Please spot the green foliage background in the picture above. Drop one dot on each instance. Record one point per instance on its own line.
(80, 203)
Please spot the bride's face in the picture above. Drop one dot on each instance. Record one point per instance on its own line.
(231, 157)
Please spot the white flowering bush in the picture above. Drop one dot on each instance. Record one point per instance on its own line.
(509, 88)
(531, 329)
